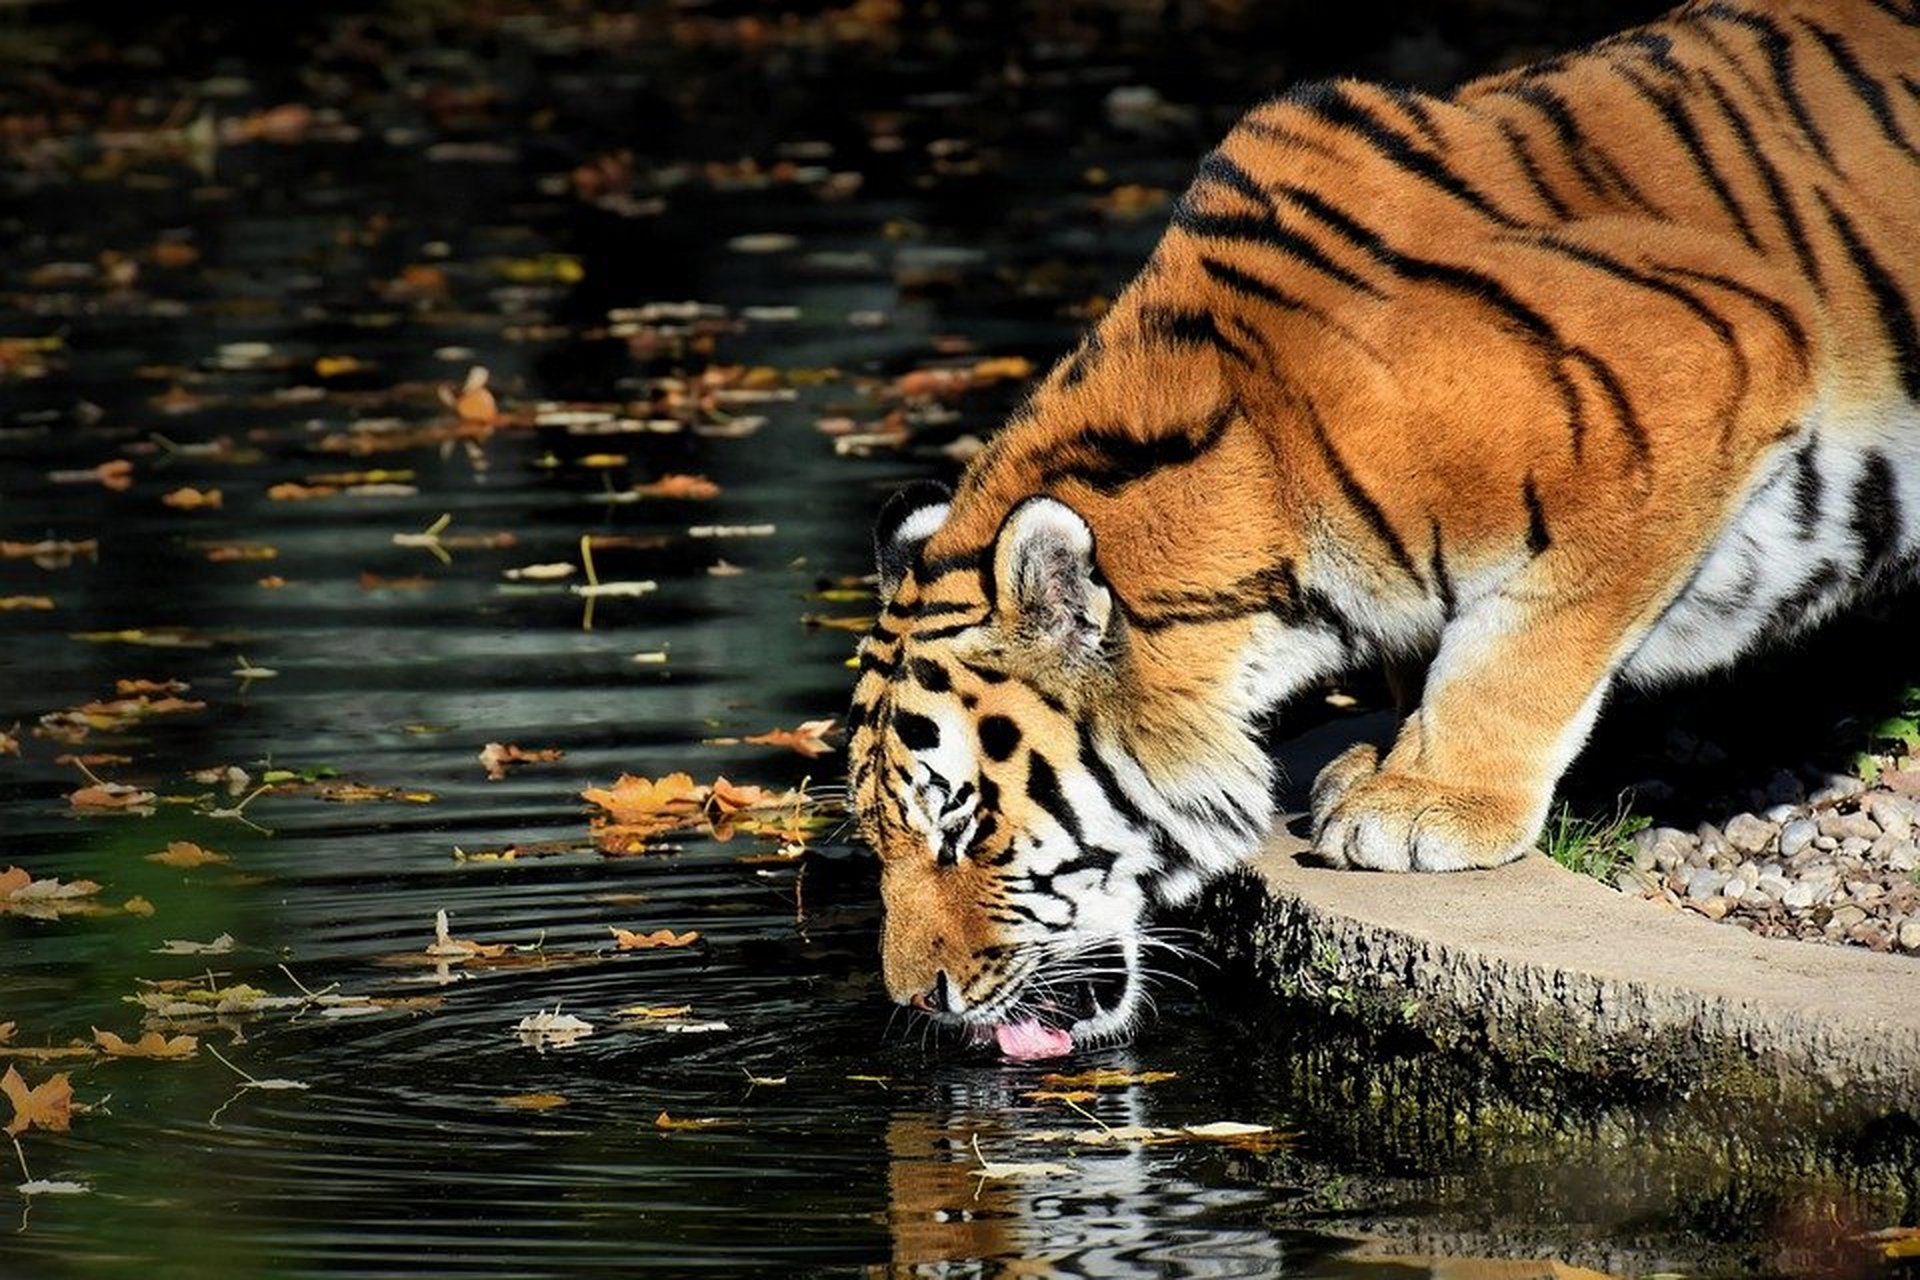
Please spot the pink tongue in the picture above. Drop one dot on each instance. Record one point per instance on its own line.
(1026, 1041)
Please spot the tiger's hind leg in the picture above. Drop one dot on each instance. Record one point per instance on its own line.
(1508, 703)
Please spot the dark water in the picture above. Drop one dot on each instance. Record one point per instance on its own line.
(942, 174)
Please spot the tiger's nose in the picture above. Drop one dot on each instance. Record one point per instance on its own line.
(939, 1000)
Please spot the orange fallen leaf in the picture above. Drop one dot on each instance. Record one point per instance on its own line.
(1062, 1095)
(473, 403)
(726, 798)
(639, 800)
(272, 582)
(183, 854)
(111, 797)
(137, 906)
(9, 604)
(150, 1045)
(47, 1105)
(291, 491)
(9, 745)
(807, 738)
(496, 756)
(191, 499)
(533, 1101)
(6, 1032)
(134, 688)
(371, 581)
(697, 488)
(628, 940)
(224, 552)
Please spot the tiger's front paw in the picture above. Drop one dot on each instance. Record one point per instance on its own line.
(1395, 822)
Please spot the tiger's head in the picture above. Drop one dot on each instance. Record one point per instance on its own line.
(1021, 843)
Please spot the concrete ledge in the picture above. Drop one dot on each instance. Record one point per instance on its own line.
(1531, 963)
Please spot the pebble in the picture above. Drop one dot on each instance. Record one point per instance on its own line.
(1797, 835)
(1841, 865)
(1748, 834)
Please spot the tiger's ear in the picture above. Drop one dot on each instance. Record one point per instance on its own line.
(906, 522)
(1046, 583)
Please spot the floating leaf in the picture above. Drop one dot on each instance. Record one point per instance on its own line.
(807, 737)
(533, 1101)
(553, 1029)
(1105, 1078)
(665, 1121)
(627, 940)
(220, 946)
(496, 756)
(184, 854)
(150, 1045)
(47, 1105)
(447, 946)
(191, 499)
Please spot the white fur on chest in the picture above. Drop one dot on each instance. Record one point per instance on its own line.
(1831, 505)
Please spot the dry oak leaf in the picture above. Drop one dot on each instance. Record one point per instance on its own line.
(635, 800)
(496, 756)
(134, 688)
(655, 1011)
(10, 603)
(807, 737)
(628, 940)
(150, 1045)
(47, 1105)
(9, 745)
(727, 798)
(6, 1032)
(188, 498)
(184, 854)
(665, 1121)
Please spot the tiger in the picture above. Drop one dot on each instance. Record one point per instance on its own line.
(1600, 371)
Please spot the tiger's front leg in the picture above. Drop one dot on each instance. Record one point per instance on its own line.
(1508, 703)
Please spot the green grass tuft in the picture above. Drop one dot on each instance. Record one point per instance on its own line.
(1597, 847)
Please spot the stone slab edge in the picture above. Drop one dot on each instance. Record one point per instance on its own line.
(1536, 959)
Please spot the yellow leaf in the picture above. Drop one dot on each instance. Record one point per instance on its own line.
(183, 854)
(1106, 1078)
(150, 1045)
(47, 1105)
(533, 1101)
(649, 1011)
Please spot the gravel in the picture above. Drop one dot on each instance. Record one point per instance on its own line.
(1841, 865)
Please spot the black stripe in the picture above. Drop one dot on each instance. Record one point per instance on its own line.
(1102, 773)
(1442, 579)
(1517, 144)
(1332, 103)
(878, 665)
(1908, 17)
(1269, 232)
(1217, 166)
(1778, 50)
(1782, 203)
(1791, 614)
(986, 675)
(947, 632)
(1667, 105)
(1782, 314)
(1247, 285)
(1538, 539)
(1896, 317)
(1870, 91)
(1356, 494)
(1415, 105)
(1594, 166)
(1107, 460)
(1491, 291)
(1875, 519)
(1808, 487)
(1043, 788)
(1190, 327)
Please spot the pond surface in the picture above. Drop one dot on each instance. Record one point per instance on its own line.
(800, 259)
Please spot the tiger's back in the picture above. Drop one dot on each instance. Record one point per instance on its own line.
(1603, 368)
